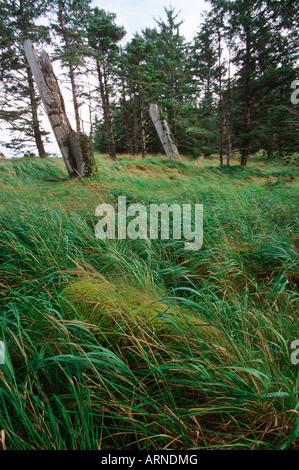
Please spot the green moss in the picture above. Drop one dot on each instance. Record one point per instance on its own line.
(88, 155)
(121, 313)
(118, 310)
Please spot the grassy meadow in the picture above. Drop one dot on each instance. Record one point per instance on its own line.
(142, 345)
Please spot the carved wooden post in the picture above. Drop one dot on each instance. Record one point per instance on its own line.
(163, 132)
(75, 147)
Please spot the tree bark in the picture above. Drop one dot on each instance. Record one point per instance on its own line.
(75, 98)
(107, 114)
(71, 68)
(229, 148)
(247, 110)
(126, 125)
(35, 122)
(142, 120)
(220, 102)
(163, 132)
(75, 149)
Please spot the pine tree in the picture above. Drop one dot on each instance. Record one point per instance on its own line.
(103, 36)
(140, 88)
(71, 28)
(260, 51)
(172, 68)
(204, 61)
(19, 101)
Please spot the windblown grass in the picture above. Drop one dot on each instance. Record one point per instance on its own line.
(222, 379)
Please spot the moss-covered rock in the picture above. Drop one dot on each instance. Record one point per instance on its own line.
(118, 310)
(122, 314)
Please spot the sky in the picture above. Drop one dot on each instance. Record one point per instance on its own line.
(134, 15)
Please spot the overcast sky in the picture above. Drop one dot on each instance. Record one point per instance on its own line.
(135, 15)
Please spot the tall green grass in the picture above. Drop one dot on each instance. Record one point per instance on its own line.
(225, 381)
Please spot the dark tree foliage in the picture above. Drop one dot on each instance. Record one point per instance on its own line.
(228, 90)
(262, 37)
(70, 30)
(103, 37)
(19, 101)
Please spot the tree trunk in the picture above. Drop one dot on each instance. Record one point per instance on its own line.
(91, 126)
(143, 137)
(163, 132)
(229, 147)
(75, 98)
(269, 149)
(280, 140)
(173, 109)
(220, 102)
(35, 122)
(135, 132)
(107, 114)
(76, 149)
(142, 120)
(247, 110)
(126, 124)
(71, 68)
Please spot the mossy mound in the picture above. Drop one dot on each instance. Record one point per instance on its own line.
(119, 311)
(122, 314)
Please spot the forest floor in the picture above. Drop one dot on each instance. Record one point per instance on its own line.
(140, 344)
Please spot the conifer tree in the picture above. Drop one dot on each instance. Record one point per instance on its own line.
(203, 61)
(70, 25)
(256, 30)
(19, 100)
(172, 55)
(103, 37)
